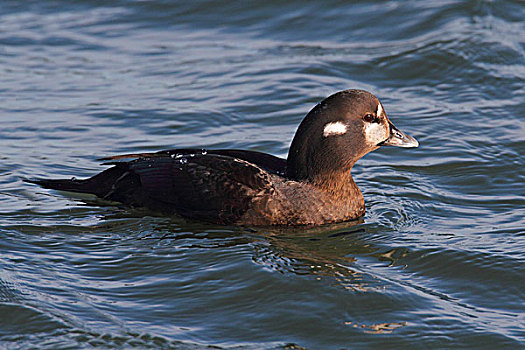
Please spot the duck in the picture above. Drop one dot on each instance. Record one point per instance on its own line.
(312, 186)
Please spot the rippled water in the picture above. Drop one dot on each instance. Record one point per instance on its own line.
(437, 261)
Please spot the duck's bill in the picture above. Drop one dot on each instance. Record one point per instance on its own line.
(399, 139)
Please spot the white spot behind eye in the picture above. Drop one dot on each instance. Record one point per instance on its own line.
(380, 110)
(334, 128)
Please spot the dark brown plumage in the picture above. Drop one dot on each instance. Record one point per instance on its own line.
(312, 187)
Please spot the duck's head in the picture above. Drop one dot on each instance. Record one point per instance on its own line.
(338, 131)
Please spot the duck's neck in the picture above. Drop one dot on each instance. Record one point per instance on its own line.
(338, 184)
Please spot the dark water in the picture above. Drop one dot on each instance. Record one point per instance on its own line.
(438, 261)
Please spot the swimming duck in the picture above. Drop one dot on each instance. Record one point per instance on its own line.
(313, 186)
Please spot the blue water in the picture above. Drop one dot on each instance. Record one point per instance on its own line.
(438, 261)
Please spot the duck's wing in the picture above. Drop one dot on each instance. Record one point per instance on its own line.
(211, 187)
(268, 162)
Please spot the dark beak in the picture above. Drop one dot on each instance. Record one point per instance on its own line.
(399, 138)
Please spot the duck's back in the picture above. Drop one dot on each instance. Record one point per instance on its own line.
(215, 186)
(210, 187)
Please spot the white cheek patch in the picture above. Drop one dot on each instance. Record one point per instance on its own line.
(334, 128)
(375, 133)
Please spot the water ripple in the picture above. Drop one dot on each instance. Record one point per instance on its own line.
(436, 261)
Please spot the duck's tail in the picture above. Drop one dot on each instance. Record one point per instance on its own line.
(99, 185)
(71, 185)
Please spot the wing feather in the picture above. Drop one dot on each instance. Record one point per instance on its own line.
(208, 187)
(265, 161)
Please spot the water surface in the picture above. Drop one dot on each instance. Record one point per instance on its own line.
(437, 262)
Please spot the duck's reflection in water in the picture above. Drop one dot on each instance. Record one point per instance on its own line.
(328, 251)
(339, 251)
(349, 256)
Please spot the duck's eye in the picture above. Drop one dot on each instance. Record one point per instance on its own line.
(369, 118)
